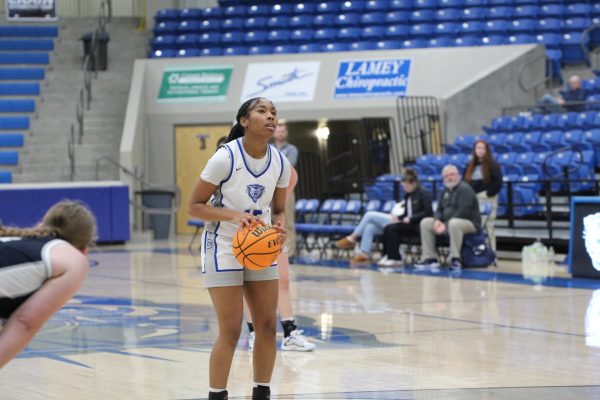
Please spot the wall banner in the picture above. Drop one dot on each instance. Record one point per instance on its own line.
(360, 79)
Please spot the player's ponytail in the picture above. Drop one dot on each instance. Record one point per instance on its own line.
(237, 131)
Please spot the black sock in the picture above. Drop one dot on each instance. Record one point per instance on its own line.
(218, 395)
(261, 392)
(250, 326)
(288, 327)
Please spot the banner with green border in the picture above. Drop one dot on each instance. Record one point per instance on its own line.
(198, 84)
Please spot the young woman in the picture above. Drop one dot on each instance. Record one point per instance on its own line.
(41, 268)
(485, 177)
(242, 183)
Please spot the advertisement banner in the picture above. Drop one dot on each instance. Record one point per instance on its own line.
(198, 84)
(31, 10)
(372, 78)
(281, 82)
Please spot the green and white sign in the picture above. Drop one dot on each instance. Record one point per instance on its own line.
(202, 84)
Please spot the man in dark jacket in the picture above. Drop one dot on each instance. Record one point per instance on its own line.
(457, 213)
(417, 205)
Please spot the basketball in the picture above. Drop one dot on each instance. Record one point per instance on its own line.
(256, 247)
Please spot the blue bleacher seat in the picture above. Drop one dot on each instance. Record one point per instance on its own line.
(278, 22)
(211, 13)
(347, 20)
(309, 48)
(189, 14)
(302, 35)
(301, 21)
(498, 143)
(474, 14)
(9, 157)
(373, 205)
(323, 20)
(500, 13)
(186, 41)
(191, 52)
(325, 35)
(522, 38)
(279, 36)
(232, 38)
(22, 73)
(401, 4)
(526, 11)
(228, 24)
(164, 42)
(494, 40)
(525, 25)
(549, 25)
(421, 31)
(257, 10)
(447, 29)
(363, 45)
(440, 42)
(5, 177)
(40, 44)
(285, 49)
(208, 39)
(397, 17)
(328, 7)
(377, 5)
(389, 44)
(576, 25)
(551, 11)
(496, 26)
(353, 6)
(579, 9)
(255, 23)
(167, 14)
(335, 46)
(166, 53)
(448, 15)
(550, 40)
(307, 8)
(397, 31)
(500, 2)
(422, 16)
(372, 32)
(234, 11)
(281, 9)
(451, 3)
(190, 26)
(235, 51)
(165, 28)
(12, 140)
(425, 3)
(372, 19)
(414, 44)
(258, 50)
(470, 28)
(211, 51)
(255, 37)
(472, 40)
(348, 34)
(592, 137)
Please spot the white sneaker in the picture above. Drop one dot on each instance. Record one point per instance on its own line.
(297, 342)
(251, 338)
(390, 263)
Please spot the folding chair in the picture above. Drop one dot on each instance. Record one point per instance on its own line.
(198, 224)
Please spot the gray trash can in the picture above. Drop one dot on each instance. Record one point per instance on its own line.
(159, 223)
(102, 56)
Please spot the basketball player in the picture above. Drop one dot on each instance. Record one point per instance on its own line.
(241, 184)
(41, 268)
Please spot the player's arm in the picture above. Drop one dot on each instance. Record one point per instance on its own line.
(198, 207)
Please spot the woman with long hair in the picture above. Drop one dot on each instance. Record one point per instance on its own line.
(484, 175)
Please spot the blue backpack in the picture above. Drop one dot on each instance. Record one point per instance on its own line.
(476, 252)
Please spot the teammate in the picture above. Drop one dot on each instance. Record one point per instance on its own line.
(240, 184)
(41, 268)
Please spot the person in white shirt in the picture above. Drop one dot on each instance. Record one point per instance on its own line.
(242, 182)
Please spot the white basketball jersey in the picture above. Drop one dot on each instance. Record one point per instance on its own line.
(245, 190)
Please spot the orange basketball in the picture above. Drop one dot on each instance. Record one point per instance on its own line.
(256, 247)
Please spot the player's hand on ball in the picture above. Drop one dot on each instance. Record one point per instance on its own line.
(282, 232)
(245, 219)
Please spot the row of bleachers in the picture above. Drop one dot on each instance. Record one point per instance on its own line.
(569, 45)
(20, 45)
(544, 122)
(397, 25)
(420, 11)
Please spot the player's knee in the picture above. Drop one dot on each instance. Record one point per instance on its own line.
(267, 326)
(231, 334)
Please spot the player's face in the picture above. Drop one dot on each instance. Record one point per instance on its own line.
(262, 119)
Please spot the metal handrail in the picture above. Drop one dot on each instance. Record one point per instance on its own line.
(146, 186)
(87, 80)
(71, 152)
(545, 81)
(558, 151)
(79, 113)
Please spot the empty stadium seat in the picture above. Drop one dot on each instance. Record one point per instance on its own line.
(12, 140)
(17, 105)
(5, 177)
(9, 157)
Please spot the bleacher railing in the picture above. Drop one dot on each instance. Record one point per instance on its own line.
(420, 128)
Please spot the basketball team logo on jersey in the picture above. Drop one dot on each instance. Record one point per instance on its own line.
(255, 191)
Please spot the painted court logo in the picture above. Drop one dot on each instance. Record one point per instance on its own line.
(591, 235)
(255, 191)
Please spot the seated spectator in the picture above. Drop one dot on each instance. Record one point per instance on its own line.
(370, 225)
(417, 205)
(573, 99)
(457, 213)
(485, 177)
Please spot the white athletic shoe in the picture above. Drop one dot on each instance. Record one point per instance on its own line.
(297, 342)
(251, 338)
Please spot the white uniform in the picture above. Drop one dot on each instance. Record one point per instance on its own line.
(244, 184)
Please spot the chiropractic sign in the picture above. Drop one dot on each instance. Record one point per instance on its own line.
(372, 78)
(31, 10)
(281, 81)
